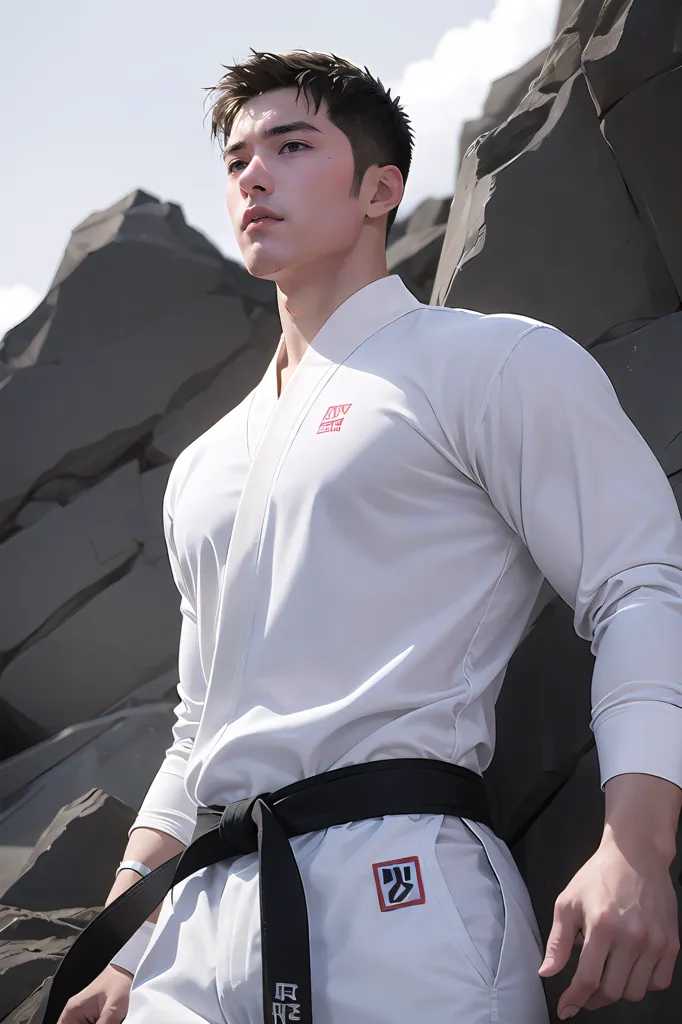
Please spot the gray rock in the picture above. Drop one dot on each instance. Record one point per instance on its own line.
(150, 533)
(57, 776)
(73, 862)
(17, 731)
(428, 214)
(503, 98)
(33, 512)
(28, 925)
(104, 406)
(31, 1010)
(26, 964)
(645, 368)
(45, 567)
(124, 268)
(415, 259)
(500, 252)
(567, 9)
(61, 489)
(638, 131)
(31, 947)
(543, 715)
(125, 636)
(633, 42)
(227, 389)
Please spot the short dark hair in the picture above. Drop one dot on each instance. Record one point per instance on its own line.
(359, 105)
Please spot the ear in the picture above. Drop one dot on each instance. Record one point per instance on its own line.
(386, 190)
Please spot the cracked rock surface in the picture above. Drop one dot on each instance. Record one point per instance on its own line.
(566, 208)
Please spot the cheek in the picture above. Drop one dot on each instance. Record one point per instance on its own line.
(231, 199)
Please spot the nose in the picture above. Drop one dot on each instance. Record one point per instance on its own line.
(255, 178)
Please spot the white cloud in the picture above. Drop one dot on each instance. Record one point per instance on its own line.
(16, 302)
(440, 93)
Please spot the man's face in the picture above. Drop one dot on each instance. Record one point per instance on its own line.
(303, 176)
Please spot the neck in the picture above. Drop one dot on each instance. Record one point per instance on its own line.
(307, 298)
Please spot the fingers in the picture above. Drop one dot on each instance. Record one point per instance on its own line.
(662, 974)
(565, 928)
(79, 1011)
(623, 971)
(589, 971)
(618, 967)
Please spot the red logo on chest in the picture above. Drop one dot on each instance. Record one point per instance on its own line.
(333, 418)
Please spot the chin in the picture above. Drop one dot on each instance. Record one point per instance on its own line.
(264, 265)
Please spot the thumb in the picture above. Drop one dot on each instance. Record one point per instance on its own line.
(565, 927)
(113, 1012)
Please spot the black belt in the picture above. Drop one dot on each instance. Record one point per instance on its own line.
(264, 824)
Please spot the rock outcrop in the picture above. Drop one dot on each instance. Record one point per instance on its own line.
(567, 208)
(569, 211)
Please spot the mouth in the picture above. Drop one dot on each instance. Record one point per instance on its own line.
(262, 221)
(259, 223)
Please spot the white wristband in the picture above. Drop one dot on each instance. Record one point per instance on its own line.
(133, 865)
(130, 955)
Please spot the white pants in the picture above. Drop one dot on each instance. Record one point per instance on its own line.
(461, 948)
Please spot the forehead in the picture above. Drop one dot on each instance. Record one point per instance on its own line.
(276, 107)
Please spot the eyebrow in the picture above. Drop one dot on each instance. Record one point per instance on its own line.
(271, 133)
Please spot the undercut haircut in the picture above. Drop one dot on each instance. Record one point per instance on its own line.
(359, 105)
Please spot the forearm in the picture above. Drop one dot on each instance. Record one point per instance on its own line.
(642, 814)
(150, 847)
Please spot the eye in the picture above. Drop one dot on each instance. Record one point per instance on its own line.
(232, 166)
(295, 144)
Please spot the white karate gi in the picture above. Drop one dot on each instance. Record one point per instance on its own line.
(357, 561)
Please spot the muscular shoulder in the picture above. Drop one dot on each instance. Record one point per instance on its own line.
(473, 346)
(460, 356)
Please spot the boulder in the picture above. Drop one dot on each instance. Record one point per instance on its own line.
(26, 964)
(645, 368)
(633, 42)
(74, 861)
(414, 258)
(31, 946)
(68, 553)
(111, 397)
(124, 268)
(229, 386)
(38, 781)
(637, 129)
(501, 251)
(125, 636)
(543, 716)
(503, 98)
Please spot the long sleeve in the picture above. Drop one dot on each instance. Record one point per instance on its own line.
(572, 476)
(167, 805)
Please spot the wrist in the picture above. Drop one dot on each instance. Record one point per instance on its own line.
(642, 813)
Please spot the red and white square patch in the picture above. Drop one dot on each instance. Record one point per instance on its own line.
(399, 883)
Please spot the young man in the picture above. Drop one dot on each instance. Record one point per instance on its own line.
(358, 546)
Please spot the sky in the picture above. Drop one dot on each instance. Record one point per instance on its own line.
(100, 97)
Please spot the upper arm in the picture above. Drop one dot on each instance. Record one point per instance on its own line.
(569, 472)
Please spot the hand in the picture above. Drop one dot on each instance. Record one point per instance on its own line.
(105, 999)
(625, 910)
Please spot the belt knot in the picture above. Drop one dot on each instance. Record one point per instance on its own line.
(237, 827)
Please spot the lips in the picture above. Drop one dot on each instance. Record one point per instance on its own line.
(259, 225)
(258, 214)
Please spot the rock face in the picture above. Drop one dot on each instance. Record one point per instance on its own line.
(146, 337)
(570, 211)
(71, 867)
(567, 209)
